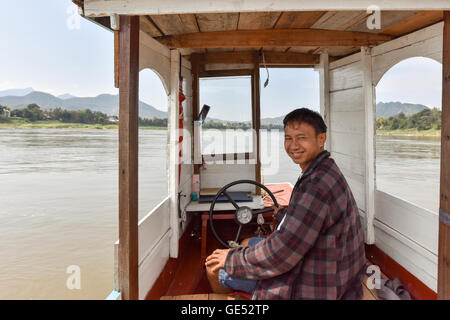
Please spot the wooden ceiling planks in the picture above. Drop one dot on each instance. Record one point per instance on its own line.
(339, 20)
(190, 22)
(210, 22)
(417, 21)
(298, 20)
(387, 19)
(257, 20)
(170, 24)
(393, 23)
(147, 25)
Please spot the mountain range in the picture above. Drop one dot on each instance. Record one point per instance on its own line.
(388, 109)
(106, 103)
(109, 104)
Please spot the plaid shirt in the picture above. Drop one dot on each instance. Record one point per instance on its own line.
(317, 248)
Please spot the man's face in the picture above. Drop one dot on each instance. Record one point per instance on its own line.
(302, 144)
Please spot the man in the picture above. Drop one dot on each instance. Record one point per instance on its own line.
(317, 249)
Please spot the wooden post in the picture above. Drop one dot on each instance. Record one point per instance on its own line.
(174, 148)
(370, 120)
(195, 98)
(444, 208)
(128, 156)
(116, 59)
(325, 95)
(256, 115)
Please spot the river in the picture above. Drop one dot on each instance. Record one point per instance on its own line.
(58, 200)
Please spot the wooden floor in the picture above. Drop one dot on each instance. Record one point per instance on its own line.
(190, 282)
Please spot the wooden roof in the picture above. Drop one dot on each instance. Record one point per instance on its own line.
(339, 33)
(168, 28)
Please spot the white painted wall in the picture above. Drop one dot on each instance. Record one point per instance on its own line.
(403, 230)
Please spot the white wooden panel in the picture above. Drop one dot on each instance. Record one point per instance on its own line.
(345, 61)
(369, 132)
(348, 122)
(187, 82)
(347, 100)
(404, 41)
(414, 258)
(152, 227)
(358, 190)
(153, 264)
(362, 217)
(348, 143)
(418, 224)
(430, 48)
(156, 57)
(174, 147)
(138, 7)
(345, 161)
(186, 174)
(218, 175)
(346, 77)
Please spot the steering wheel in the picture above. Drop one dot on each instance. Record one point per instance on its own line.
(243, 214)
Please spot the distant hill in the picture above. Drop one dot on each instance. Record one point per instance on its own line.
(106, 103)
(66, 96)
(16, 92)
(388, 109)
(109, 104)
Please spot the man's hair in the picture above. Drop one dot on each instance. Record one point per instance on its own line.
(308, 116)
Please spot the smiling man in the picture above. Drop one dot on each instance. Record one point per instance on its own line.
(316, 250)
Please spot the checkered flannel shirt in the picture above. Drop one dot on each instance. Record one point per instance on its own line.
(316, 250)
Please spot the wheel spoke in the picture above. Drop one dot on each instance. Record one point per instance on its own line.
(258, 211)
(238, 233)
(230, 199)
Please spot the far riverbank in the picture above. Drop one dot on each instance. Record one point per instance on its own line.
(51, 124)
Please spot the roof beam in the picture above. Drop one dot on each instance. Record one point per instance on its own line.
(270, 57)
(273, 38)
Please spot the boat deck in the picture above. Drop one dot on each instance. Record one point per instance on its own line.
(185, 279)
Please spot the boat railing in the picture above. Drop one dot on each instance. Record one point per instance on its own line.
(154, 233)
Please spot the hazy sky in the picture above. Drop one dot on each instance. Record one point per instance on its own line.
(46, 46)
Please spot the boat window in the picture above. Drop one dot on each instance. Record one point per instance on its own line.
(228, 125)
(408, 128)
(152, 138)
(288, 89)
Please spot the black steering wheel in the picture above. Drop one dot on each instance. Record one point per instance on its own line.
(243, 214)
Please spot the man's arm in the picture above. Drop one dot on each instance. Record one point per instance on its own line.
(287, 245)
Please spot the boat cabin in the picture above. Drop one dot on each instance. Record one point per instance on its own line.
(352, 44)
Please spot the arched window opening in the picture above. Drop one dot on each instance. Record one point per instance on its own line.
(153, 117)
(408, 125)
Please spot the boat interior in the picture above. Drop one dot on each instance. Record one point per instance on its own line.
(162, 255)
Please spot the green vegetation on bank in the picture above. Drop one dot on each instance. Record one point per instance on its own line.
(424, 123)
(34, 117)
(428, 120)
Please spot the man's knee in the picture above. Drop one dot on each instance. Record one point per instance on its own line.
(213, 278)
(245, 242)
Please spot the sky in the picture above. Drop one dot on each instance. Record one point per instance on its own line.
(47, 46)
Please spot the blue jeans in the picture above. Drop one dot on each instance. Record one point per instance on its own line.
(239, 284)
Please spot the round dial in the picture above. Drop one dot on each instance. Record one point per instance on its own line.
(244, 215)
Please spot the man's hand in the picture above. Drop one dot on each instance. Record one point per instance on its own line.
(216, 260)
(274, 221)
